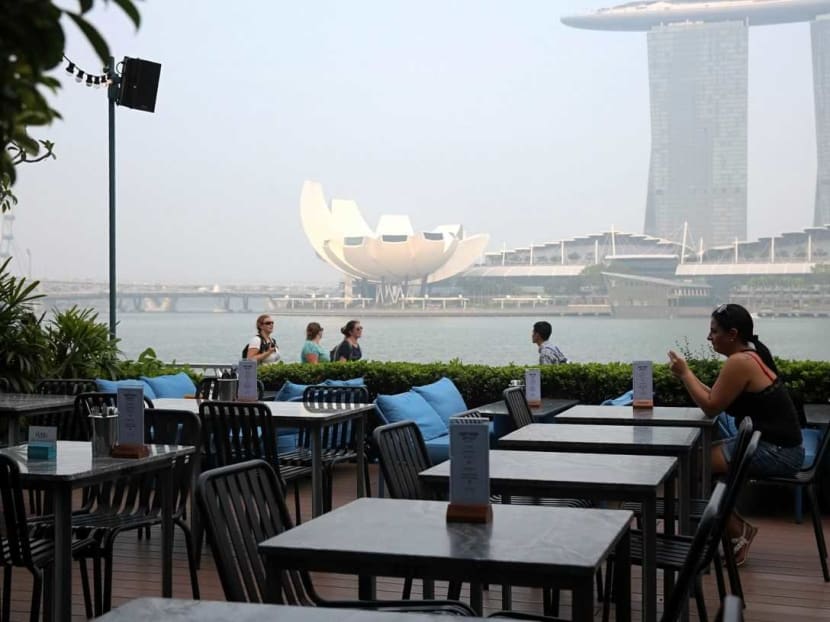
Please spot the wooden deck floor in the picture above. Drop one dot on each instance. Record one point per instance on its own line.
(782, 579)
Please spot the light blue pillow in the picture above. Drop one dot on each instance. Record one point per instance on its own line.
(444, 398)
(171, 385)
(111, 386)
(290, 392)
(351, 382)
(410, 406)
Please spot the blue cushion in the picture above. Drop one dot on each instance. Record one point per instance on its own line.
(351, 382)
(111, 386)
(171, 385)
(290, 392)
(626, 399)
(444, 398)
(438, 449)
(410, 406)
(811, 438)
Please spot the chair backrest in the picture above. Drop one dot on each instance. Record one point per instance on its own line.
(514, 398)
(237, 431)
(208, 388)
(75, 426)
(678, 598)
(325, 394)
(744, 434)
(402, 454)
(65, 386)
(16, 551)
(243, 505)
(176, 427)
(339, 435)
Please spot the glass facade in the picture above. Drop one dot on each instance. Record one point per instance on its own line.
(821, 88)
(698, 75)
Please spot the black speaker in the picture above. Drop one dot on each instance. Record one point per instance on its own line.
(139, 84)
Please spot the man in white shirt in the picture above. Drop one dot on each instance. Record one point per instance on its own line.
(549, 354)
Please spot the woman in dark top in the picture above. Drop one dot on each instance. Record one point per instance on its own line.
(349, 349)
(748, 386)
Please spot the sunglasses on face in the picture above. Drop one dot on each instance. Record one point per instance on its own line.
(267, 323)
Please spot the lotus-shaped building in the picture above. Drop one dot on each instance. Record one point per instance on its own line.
(393, 254)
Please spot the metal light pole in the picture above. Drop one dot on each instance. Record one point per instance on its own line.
(112, 97)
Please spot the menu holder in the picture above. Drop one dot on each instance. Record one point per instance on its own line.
(247, 391)
(130, 424)
(469, 470)
(533, 387)
(643, 379)
(43, 444)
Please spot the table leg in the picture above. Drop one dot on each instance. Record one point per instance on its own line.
(684, 483)
(62, 584)
(361, 454)
(669, 526)
(650, 559)
(583, 601)
(165, 481)
(273, 581)
(622, 578)
(706, 459)
(316, 471)
(366, 587)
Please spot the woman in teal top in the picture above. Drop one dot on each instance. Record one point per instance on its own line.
(313, 352)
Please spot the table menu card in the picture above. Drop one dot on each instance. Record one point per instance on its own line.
(130, 416)
(643, 384)
(246, 372)
(469, 461)
(43, 443)
(533, 387)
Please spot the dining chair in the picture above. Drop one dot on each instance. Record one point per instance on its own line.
(31, 546)
(673, 551)
(243, 505)
(65, 386)
(339, 442)
(807, 480)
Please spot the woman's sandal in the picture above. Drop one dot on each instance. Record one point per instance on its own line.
(740, 545)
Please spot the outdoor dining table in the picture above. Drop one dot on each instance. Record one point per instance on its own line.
(605, 439)
(156, 609)
(75, 467)
(600, 477)
(542, 413)
(523, 545)
(312, 417)
(671, 416)
(13, 406)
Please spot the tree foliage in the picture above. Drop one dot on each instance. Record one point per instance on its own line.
(32, 43)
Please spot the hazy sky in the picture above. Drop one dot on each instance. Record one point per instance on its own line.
(484, 112)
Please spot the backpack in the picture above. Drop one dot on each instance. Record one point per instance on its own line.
(333, 352)
(263, 346)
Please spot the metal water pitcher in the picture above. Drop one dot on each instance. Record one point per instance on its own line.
(104, 430)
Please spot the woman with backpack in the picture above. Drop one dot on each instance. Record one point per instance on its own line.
(263, 348)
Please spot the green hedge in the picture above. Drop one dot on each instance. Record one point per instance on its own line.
(590, 383)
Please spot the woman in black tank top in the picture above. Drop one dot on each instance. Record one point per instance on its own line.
(748, 386)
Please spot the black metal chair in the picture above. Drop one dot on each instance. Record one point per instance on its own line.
(208, 389)
(514, 399)
(243, 505)
(30, 546)
(673, 550)
(807, 479)
(339, 442)
(238, 431)
(65, 386)
(134, 503)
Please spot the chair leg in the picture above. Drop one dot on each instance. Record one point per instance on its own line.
(297, 512)
(700, 600)
(816, 513)
(609, 593)
(367, 480)
(7, 593)
(732, 568)
(97, 586)
(600, 591)
(37, 589)
(86, 591)
(191, 562)
(799, 505)
(108, 563)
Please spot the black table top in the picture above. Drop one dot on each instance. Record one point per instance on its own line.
(639, 439)
(295, 413)
(627, 415)
(817, 415)
(25, 403)
(526, 470)
(175, 610)
(75, 463)
(550, 406)
(397, 537)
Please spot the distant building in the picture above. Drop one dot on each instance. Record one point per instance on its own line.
(697, 55)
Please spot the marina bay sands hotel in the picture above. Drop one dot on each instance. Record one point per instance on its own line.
(698, 74)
